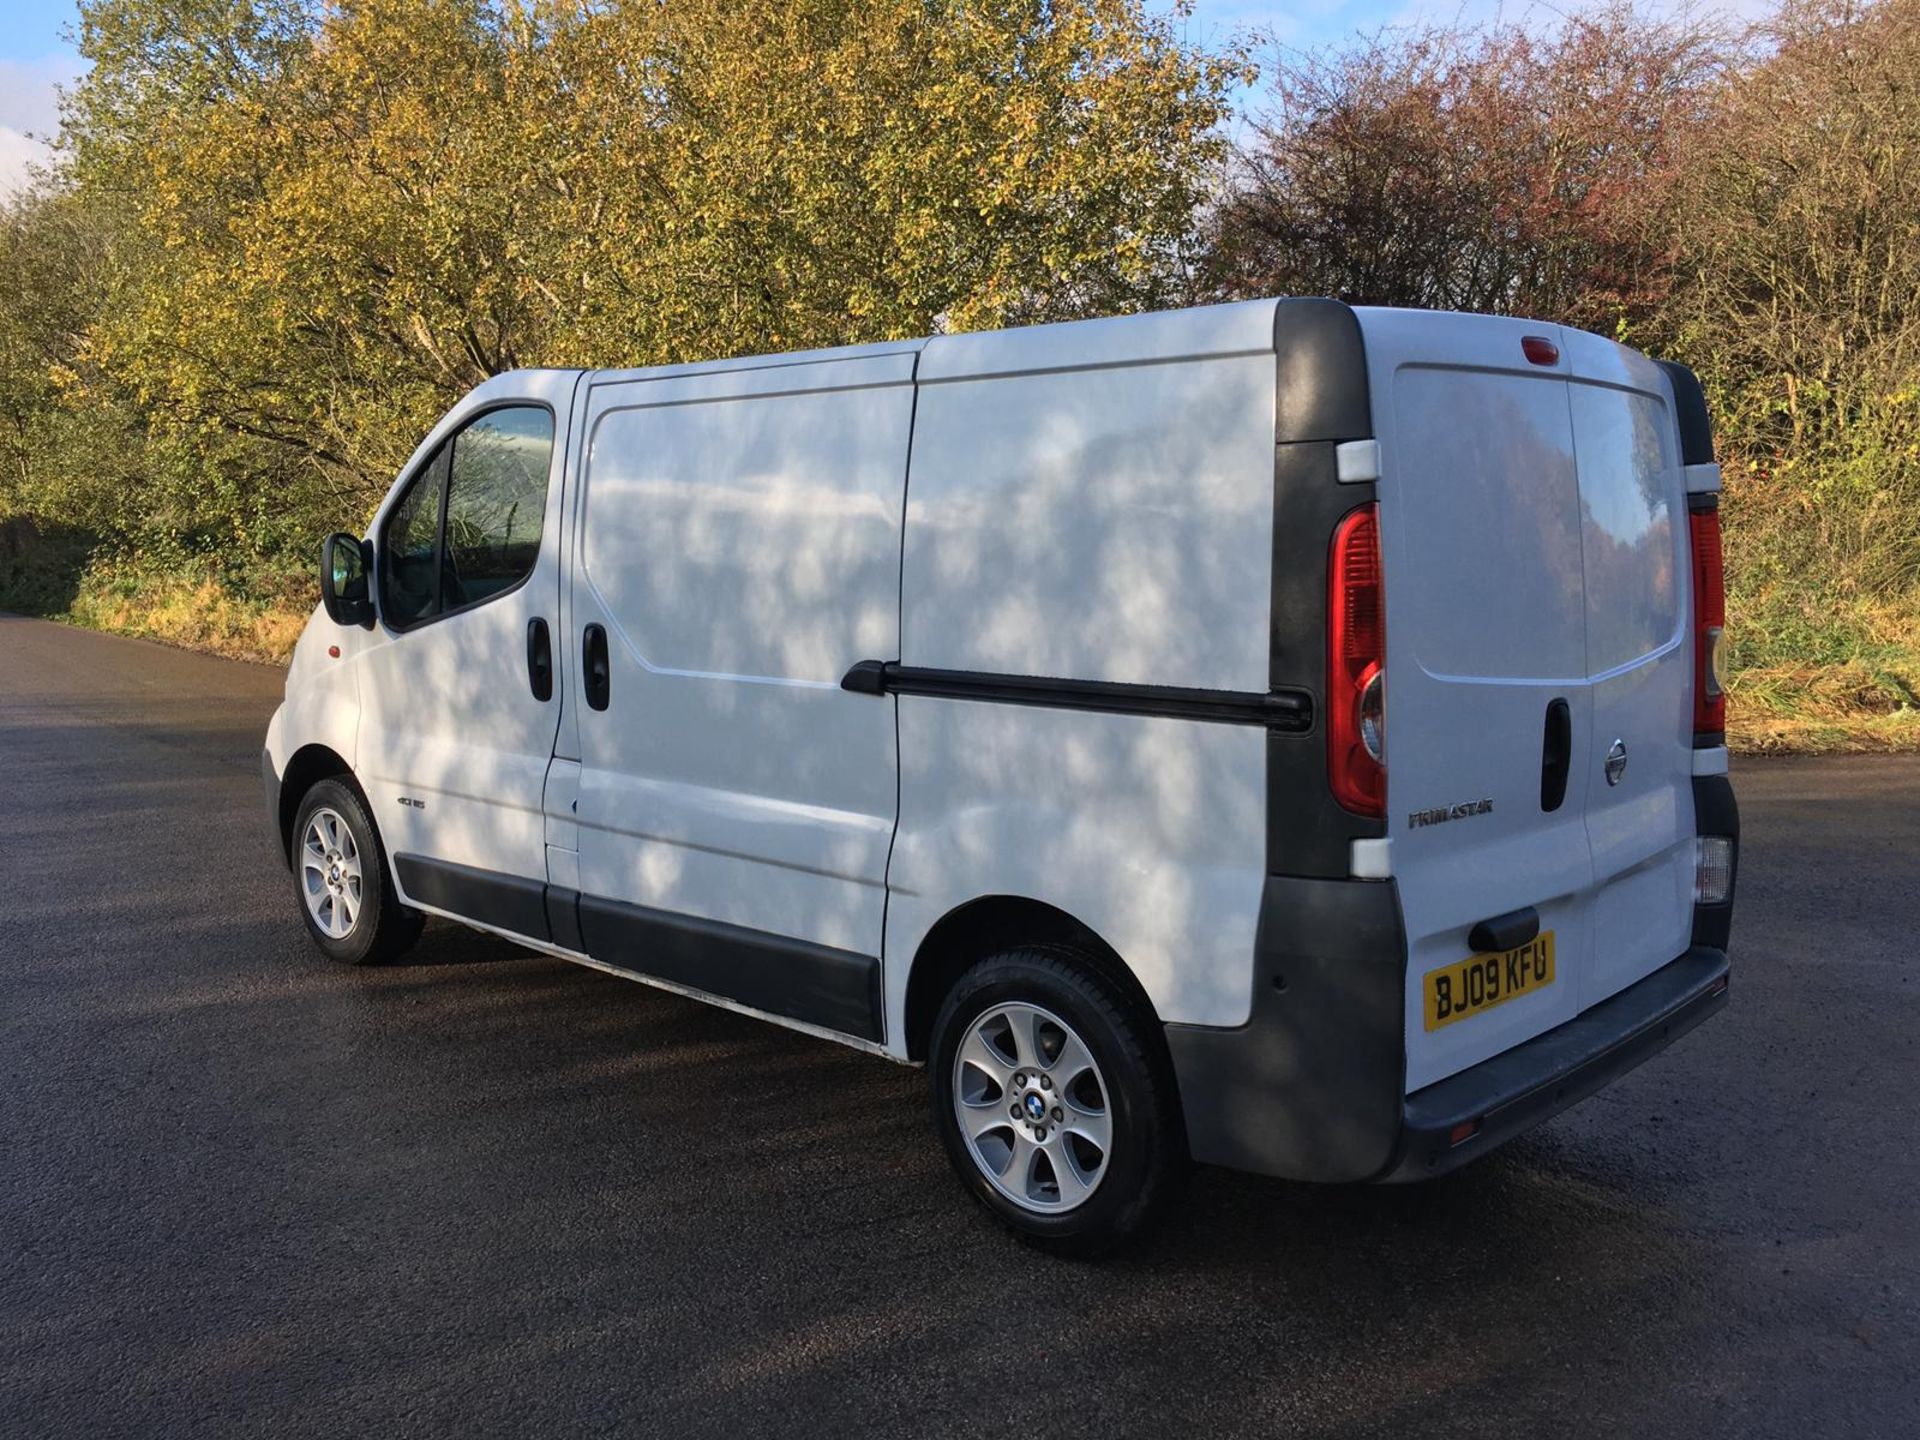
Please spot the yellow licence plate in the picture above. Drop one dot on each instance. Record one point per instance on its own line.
(1476, 984)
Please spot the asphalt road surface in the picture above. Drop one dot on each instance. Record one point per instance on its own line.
(245, 1191)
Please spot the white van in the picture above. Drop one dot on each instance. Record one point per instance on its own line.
(1278, 734)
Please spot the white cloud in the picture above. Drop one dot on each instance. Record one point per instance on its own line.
(30, 112)
(17, 154)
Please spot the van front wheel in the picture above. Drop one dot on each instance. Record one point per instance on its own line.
(1056, 1113)
(340, 880)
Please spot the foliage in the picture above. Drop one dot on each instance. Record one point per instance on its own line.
(284, 235)
(1490, 170)
(1800, 305)
(348, 215)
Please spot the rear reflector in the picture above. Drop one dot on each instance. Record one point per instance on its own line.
(1540, 350)
(1356, 653)
(1712, 869)
(1709, 620)
(1463, 1132)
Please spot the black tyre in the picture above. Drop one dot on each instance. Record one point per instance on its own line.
(340, 880)
(1058, 1114)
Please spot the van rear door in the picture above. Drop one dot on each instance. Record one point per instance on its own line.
(1486, 662)
(1532, 531)
(1639, 803)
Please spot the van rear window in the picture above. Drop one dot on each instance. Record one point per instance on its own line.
(1631, 537)
(1489, 543)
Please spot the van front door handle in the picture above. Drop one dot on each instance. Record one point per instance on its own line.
(539, 659)
(593, 654)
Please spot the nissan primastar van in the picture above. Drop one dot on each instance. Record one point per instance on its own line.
(1277, 735)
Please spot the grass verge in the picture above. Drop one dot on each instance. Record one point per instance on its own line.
(1848, 708)
(59, 573)
(193, 612)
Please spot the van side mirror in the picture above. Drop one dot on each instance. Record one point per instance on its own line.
(346, 588)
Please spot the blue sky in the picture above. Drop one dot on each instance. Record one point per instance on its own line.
(34, 59)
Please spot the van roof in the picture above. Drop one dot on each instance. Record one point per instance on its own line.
(1240, 328)
(757, 362)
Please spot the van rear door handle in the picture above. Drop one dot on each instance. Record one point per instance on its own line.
(598, 678)
(1556, 756)
(1504, 932)
(539, 659)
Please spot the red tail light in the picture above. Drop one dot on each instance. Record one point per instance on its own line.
(1356, 653)
(1709, 618)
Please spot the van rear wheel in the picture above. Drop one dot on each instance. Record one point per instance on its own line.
(1057, 1114)
(340, 880)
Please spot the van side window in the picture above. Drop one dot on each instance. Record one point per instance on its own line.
(469, 526)
(496, 503)
(410, 548)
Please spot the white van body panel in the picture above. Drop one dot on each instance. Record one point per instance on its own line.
(1151, 832)
(446, 716)
(322, 704)
(1092, 502)
(739, 536)
(1481, 636)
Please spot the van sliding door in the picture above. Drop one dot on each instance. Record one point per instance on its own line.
(738, 551)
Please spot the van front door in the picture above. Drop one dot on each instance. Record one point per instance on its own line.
(457, 720)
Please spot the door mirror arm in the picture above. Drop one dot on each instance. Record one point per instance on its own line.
(346, 580)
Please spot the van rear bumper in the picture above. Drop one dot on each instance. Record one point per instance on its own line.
(1531, 1083)
(1313, 1086)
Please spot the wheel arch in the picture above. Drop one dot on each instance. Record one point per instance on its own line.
(306, 768)
(971, 932)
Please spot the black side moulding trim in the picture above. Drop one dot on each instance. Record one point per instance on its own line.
(1715, 812)
(563, 918)
(1321, 381)
(1323, 399)
(1690, 412)
(1281, 709)
(836, 989)
(506, 902)
(1310, 1087)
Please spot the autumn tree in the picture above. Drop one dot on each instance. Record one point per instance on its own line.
(1804, 290)
(1498, 170)
(357, 211)
(1799, 302)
